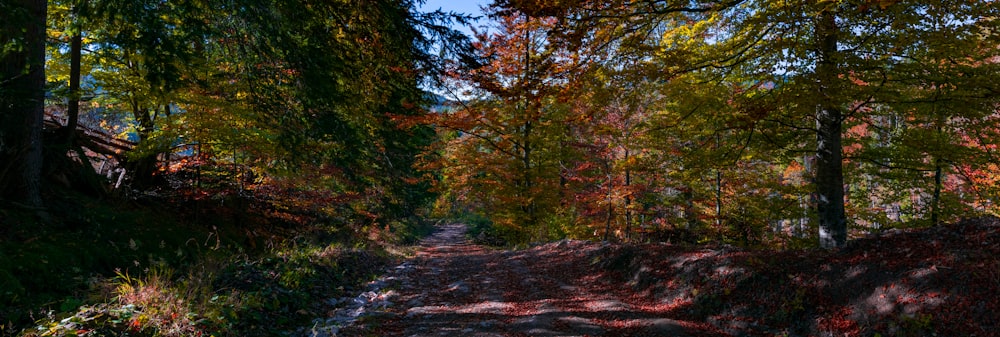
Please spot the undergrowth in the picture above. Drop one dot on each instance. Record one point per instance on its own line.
(156, 268)
(482, 231)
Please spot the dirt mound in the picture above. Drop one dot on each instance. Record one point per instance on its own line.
(941, 280)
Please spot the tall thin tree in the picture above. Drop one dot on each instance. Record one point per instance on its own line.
(22, 99)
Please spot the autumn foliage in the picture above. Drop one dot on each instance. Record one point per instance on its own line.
(733, 121)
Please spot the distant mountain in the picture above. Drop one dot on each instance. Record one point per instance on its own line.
(438, 103)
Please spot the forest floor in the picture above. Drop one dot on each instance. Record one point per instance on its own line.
(939, 281)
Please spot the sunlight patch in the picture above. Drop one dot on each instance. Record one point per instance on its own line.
(488, 307)
(606, 305)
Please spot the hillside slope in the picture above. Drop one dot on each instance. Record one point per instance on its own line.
(942, 280)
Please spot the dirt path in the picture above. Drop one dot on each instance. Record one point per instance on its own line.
(454, 288)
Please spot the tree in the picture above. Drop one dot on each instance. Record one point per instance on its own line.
(802, 73)
(330, 98)
(506, 152)
(22, 98)
(829, 130)
(919, 137)
(847, 56)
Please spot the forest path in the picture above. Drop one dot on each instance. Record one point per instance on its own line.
(455, 288)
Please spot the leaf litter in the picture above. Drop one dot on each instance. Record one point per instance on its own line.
(935, 281)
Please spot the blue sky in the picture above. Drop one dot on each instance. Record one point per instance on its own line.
(458, 6)
(461, 6)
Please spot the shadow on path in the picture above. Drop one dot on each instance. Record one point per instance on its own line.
(454, 288)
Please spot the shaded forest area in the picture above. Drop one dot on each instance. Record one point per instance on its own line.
(183, 167)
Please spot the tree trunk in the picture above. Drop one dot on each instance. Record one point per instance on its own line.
(936, 200)
(690, 214)
(829, 149)
(611, 210)
(718, 198)
(22, 101)
(628, 204)
(143, 167)
(718, 187)
(938, 172)
(529, 183)
(530, 113)
(73, 110)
